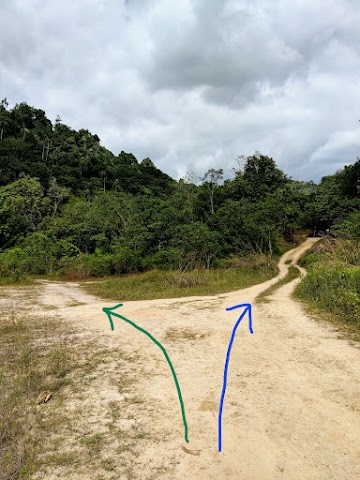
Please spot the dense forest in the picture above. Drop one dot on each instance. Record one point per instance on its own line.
(67, 204)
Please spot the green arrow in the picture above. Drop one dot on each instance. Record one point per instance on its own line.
(109, 311)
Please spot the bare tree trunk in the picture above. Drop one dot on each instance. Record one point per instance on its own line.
(270, 245)
(47, 150)
(212, 202)
(208, 261)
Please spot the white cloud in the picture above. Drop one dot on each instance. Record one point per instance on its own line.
(193, 84)
(338, 145)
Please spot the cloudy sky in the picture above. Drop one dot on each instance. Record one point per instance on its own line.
(193, 84)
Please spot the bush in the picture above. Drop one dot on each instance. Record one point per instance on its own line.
(191, 279)
(14, 263)
(335, 288)
(352, 225)
(255, 261)
(37, 254)
(98, 265)
(101, 265)
(169, 258)
(84, 266)
(126, 260)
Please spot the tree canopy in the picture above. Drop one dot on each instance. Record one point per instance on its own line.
(67, 202)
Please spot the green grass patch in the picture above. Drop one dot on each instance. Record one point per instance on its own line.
(332, 284)
(33, 363)
(290, 276)
(174, 284)
(17, 280)
(335, 288)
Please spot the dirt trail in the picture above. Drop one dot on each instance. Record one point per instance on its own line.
(292, 406)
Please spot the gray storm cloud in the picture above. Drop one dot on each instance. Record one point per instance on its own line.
(193, 84)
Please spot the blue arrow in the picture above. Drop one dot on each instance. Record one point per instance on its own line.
(246, 310)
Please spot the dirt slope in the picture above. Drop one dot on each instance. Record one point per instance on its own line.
(292, 406)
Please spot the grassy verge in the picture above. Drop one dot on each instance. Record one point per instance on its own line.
(332, 284)
(16, 280)
(34, 360)
(91, 426)
(163, 284)
(290, 276)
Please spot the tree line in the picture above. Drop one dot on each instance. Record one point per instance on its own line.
(67, 204)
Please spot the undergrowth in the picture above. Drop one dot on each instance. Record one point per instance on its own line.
(333, 280)
(292, 273)
(173, 284)
(16, 279)
(73, 434)
(33, 358)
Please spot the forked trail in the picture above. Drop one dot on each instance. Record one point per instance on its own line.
(292, 405)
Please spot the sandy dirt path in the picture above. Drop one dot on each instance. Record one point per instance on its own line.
(292, 406)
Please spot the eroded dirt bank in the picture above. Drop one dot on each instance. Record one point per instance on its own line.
(292, 408)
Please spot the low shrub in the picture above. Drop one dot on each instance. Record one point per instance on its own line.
(34, 358)
(191, 279)
(335, 288)
(255, 261)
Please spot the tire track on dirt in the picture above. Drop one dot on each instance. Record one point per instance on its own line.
(292, 405)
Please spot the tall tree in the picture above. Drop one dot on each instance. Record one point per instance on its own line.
(21, 210)
(211, 182)
(58, 194)
(3, 117)
(262, 175)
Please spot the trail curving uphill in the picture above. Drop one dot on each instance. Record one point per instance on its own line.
(292, 406)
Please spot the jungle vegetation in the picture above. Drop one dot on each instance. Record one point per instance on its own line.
(70, 207)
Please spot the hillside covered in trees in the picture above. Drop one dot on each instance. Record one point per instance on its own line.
(67, 204)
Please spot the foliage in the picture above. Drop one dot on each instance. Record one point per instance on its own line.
(21, 209)
(333, 280)
(291, 275)
(180, 283)
(70, 206)
(261, 176)
(31, 362)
